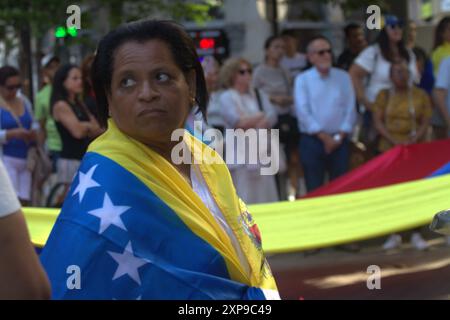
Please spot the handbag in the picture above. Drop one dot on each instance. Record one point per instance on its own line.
(288, 128)
(281, 157)
(287, 124)
(37, 159)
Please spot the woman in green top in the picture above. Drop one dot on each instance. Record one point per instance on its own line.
(50, 134)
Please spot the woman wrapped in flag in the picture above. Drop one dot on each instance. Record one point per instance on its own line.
(136, 224)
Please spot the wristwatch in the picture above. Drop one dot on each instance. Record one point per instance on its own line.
(337, 137)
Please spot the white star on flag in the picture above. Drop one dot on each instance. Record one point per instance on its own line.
(109, 214)
(128, 264)
(85, 182)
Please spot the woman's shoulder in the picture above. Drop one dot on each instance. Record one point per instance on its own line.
(383, 93)
(372, 49)
(442, 49)
(228, 94)
(420, 93)
(60, 107)
(260, 68)
(26, 102)
(61, 103)
(368, 54)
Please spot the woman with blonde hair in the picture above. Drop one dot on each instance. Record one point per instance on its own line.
(243, 107)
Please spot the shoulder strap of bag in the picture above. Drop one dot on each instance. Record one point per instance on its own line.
(258, 98)
(369, 77)
(286, 82)
(15, 117)
(389, 95)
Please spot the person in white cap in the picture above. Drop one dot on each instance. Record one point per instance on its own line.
(21, 274)
(50, 65)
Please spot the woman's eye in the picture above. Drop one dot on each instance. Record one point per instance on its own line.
(163, 77)
(127, 82)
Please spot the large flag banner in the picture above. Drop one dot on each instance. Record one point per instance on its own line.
(399, 164)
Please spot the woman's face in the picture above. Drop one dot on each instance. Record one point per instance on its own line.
(212, 78)
(400, 75)
(74, 82)
(9, 90)
(243, 77)
(412, 32)
(446, 34)
(290, 44)
(276, 49)
(395, 33)
(150, 96)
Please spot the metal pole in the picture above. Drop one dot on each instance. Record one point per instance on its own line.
(274, 17)
(27, 54)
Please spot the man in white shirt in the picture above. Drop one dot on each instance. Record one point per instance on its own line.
(325, 104)
(21, 274)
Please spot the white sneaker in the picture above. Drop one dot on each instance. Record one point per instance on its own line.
(392, 242)
(291, 193)
(418, 242)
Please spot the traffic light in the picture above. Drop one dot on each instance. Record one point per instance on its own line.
(207, 43)
(63, 32)
(210, 42)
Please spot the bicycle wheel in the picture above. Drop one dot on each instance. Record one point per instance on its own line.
(56, 197)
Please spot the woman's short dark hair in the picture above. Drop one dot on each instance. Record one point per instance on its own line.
(59, 92)
(179, 42)
(350, 27)
(269, 41)
(439, 32)
(7, 72)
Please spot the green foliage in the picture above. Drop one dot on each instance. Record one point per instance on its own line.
(179, 10)
(41, 15)
(350, 5)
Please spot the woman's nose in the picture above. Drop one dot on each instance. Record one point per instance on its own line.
(147, 91)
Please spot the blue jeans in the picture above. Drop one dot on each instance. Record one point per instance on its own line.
(316, 162)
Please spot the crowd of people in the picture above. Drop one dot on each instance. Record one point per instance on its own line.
(45, 144)
(372, 98)
(146, 81)
(380, 95)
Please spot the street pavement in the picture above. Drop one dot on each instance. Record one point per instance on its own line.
(333, 273)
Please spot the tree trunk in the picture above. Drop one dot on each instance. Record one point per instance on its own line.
(25, 60)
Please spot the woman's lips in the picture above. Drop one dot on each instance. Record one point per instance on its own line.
(151, 112)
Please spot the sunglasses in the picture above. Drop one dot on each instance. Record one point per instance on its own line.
(322, 52)
(13, 87)
(244, 71)
(394, 25)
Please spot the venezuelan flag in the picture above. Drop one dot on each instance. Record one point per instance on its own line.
(132, 228)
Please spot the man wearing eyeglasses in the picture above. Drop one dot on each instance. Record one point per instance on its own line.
(325, 104)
